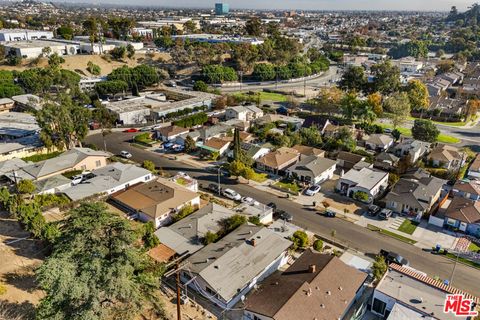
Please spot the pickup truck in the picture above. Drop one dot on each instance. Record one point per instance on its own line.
(392, 257)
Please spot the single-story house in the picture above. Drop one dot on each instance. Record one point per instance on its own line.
(170, 133)
(474, 169)
(386, 161)
(469, 189)
(252, 151)
(216, 131)
(309, 151)
(107, 180)
(225, 271)
(464, 215)
(379, 142)
(317, 121)
(347, 160)
(156, 200)
(446, 156)
(244, 113)
(52, 185)
(215, 145)
(315, 284)
(278, 161)
(6, 104)
(371, 182)
(414, 197)
(269, 118)
(312, 169)
(263, 212)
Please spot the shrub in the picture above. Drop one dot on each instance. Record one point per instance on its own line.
(318, 245)
(361, 196)
(254, 220)
(185, 211)
(210, 237)
(300, 239)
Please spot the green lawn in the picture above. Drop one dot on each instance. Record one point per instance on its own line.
(292, 186)
(408, 226)
(451, 124)
(465, 261)
(271, 96)
(442, 138)
(391, 234)
(259, 177)
(473, 247)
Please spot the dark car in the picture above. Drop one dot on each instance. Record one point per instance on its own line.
(272, 205)
(373, 210)
(392, 257)
(284, 215)
(329, 213)
(214, 188)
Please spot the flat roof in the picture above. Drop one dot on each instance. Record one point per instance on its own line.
(33, 44)
(17, 124)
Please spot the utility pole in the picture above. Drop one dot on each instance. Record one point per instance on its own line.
(176, 271)
(240, 73)
(179, 313)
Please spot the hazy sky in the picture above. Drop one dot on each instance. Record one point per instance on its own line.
(411, 5)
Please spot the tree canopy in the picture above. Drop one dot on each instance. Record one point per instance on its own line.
(425, 130)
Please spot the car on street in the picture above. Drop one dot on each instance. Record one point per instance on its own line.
(313, 190)
(283, 215)
(385, 214)
(392, 257)
(213, 187)
(373, 210)
(272, 205)
(125, 154)
(248, 200)
(329, 213)
(232, 195)
(131, 130)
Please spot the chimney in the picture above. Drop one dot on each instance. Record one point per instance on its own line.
(312, 268)
(252, 242)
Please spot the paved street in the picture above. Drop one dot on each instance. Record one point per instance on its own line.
(354, 236)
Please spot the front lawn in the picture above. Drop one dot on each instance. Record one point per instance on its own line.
(288, 186)
(473, 247)
(408, 226)
(272, 96)
(391, 234)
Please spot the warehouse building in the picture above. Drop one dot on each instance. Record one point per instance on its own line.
(23, 35)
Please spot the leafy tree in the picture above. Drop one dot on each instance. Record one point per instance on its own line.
(12, 59)
(200, 85)
(349, 105)
(231, 223)
(386, 78)
(96, 270)
(264, 72)
(164, 42)
(361, 196)
(46, 51)
(150, 166)
(379, 267)
(111, 87)
(253, 27)
(54, 60)
(375, 101)
(473, 106)
(118, 53)
(328, 100)
(130, 51)
(255, 220)
(66, 32)
(300, 239)
(415, 48)
(236, 168)
(396, 134)
(310, 137)
(149, 238)
(445, 66)
(318, 245)
(398, 107)
(190, 145)
(25, 186)
(248, 173)
(418, 95)
(93, 68)
(353, 79)
(425, 130)
(210, 237)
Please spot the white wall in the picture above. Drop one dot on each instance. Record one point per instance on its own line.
(383, 297)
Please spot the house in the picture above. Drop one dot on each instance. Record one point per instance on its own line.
(414, 197)
(309, 151)
(474, 169)
(28, 102)
(447, 109)
(461, 214)
(253, 151)
(469, 189)
(315, 286)
(386, 161)
(405, 293)
(263, 212)
(347, 160)
(228, 269)
(313, 170)
(317, 121)
(108, 180)
(187, 235)
(446, 156)
(215, 145)
(183, 179)
(156, 200)
(366, 180)
(170, 133)
(278, 161)
(84, 159)
(52, 185)
(6, 104)
(10, 165)
(237, 124)
(415, 149)
(269, 118)
(379, 142)
(217, 131)
(244, 113)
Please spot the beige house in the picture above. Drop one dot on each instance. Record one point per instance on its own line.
(446, 156)
(156, 201)
(278, 161)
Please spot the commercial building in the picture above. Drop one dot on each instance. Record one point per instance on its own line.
(219, 38)
(7, 35)
(222, 9)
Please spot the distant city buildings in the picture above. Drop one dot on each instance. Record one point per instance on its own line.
(221, 9)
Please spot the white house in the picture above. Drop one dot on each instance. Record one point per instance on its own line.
(243, 113)
(372, 182)
(313, 169)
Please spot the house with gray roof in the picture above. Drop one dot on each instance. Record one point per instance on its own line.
(379, 142)
(187, 235)
(228, 269)
(52, 185)
(386, 161)
(313, 169)
(415, 149)
(109, 179)
(372, 182)
(414, 196)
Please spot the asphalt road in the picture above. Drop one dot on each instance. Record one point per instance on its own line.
(354, 236)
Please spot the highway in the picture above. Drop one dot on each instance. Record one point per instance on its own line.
(354, 236)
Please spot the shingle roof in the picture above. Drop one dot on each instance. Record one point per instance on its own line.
(171, 131)
(365, 178)
(379, 139)
(447, 153)
(278, 158)
(464, 210)
(467, 186)
(313, 164)
(413, 191)
(309, 151)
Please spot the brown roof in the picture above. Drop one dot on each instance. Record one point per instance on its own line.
(216, 143)
(161, 253)
(464, 210)
(279, 158)
(470, 187)
(446, 153)
(475, 166)
(171, 131)
(299, 294)
(155, 198)
(309, 151)
(245, 135)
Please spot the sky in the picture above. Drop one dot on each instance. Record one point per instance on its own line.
(409, 5)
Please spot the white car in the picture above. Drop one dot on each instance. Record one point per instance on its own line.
(313, 190)
(126, 154)
(249, 200)
(77, 179)
(231, 194)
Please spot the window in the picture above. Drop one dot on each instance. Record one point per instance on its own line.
(147, 177)
(98, 163)
(256, 318)
(210, 291)
(379, 306)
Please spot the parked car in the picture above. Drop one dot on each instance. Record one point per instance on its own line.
(77, 179)
(213, 187)
(385, 214)
(313, 190)
(329, 213)
(373, 210)
(130, 130)
(231, 194)
(387, 130)
(272, 205)
(248, 200)
(392, 257)
(284, 215)
(125, 154)
(168, 145)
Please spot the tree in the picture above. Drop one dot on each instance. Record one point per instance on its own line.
(218, 74)
(300, 239)
(12, 59)
(353, 79)
(118, 53)
(253, 27)
(130, 51)
(200, 85)
(328, 100)
(232, 223)
(318, 245)
(310, 137)
(379, 267)
(398, 107)
(264, 72)
(349, 106)
(96, 270)
(236, 168)
(361, 196)
(386, 78)
(415, 48)
(237, 147)
(396, 134)
(210, 237)
(66, 32)
(93, 68)
(418, 95)
(46, 51)
(190, 145)
(472, 108)
(425, 130)
(54, 60)
(149, 238)
(445, 66)
(26, 186)
(113, 87)
(150, 166)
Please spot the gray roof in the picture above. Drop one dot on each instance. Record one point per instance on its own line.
(208, 132)
(415, 191)
(379, 139)
(231, 263)
(55, 182)
(106, 178)
(17, 124)
(383, 156)
(187, 234)
(8, 166)
(65, 161)
(365, 178)
(30, 100)
(312, 164)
